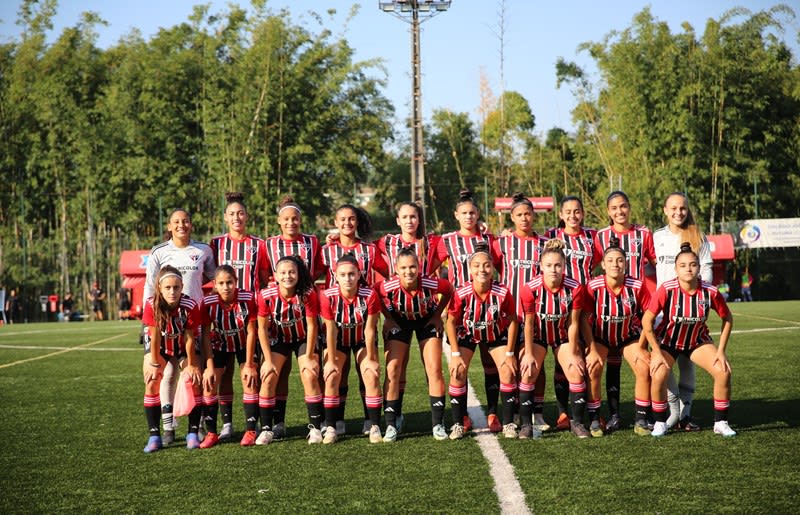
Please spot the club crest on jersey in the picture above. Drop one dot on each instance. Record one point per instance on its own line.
(194, 257)
(297, 308)
(361, 310)
(493, 310)
(636, 242)
(252, 250)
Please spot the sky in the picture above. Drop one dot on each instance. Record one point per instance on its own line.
(456, 46)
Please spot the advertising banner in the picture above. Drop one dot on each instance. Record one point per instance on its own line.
(777, 232)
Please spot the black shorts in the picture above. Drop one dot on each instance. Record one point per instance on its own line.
(124, 305)
(222, 357)
(97, 306)
(423, 329)
(686, 352)
(619, 346)
(472, 345)
(285, 348)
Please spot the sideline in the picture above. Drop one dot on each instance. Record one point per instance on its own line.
(67, 349)
(761, 330)
(746, 315)
(104, 349)
(506, 486)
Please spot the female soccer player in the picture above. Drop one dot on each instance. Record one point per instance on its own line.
(680, 228)
(521, 251)
(612, 320)
(247, 255)
(354, 227)
(413, 304)
(685, 303)
(411, 221)
(195, 262)
(171, 319)
(482, 313)
(350, 312)
(553, 304)
(637, 243)
(583, 253)
(287, 323)
(456, 248)
(291, 242)
(229, 330)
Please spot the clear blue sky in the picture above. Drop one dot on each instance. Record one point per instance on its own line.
(456, 45)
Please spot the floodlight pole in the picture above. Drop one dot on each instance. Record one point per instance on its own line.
(403, 8)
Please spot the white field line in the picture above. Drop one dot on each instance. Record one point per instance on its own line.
(104, 349)
(766, 318)
(67, 349)
(506, 486)
(762, 330)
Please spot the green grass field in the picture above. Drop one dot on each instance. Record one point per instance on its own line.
(73, 432)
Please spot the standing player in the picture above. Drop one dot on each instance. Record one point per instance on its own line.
(583, 253)
(612, 320)
(681, 228)
(291, 242)
(229, 330)
(195, 262)
(411, 221)
(97, 296)
(248, 256)
(521, 251)
(350, 312)
(171, 319)
(482, 313)
(637, 243)
(553, 304)
(457, 247)
(685, 303)
(287, 323)
(413, 305)
(354, 226)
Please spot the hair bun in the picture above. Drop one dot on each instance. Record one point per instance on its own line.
(613, 242)
(519, 197)
(686, 246)
(286, 199)
(234, 196)
(465, 194)
(554, 244)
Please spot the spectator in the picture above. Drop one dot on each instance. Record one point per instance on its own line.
(124, 302)
(13, 307)
(724, 289)
(747, 283)
(97, 296)
(67, 306)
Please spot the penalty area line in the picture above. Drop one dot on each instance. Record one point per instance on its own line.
(506, 485)
(67, 349)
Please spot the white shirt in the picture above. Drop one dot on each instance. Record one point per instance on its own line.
(193, 262)
(668, 245)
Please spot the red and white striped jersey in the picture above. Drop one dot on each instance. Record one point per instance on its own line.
(366, 254)
(582, 251)
(247, 256)
(482, 320)
(683, 326)
(616, 317)
(228, 322)
(305, 246)
(519, 263)
(405, 305)
(185, 317)
(458, 248)
(552, 309)
(350, 315)
(287, 317)
(637, 242)
(390, 244)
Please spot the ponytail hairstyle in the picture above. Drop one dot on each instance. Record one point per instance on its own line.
(554, 246)
(363, 221)
(161, 308)
(690, 232)
(420, 216)
(167, 232)
(613, 246)
(350, 258)
(288, 202)
(611, 196)
(686, 248)
(480, 248)
(564, 200)
(234, 197)
(520, 199)
(464, 196)
(226, 269)
(304, 282)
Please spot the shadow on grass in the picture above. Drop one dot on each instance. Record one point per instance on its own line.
(755, 414)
